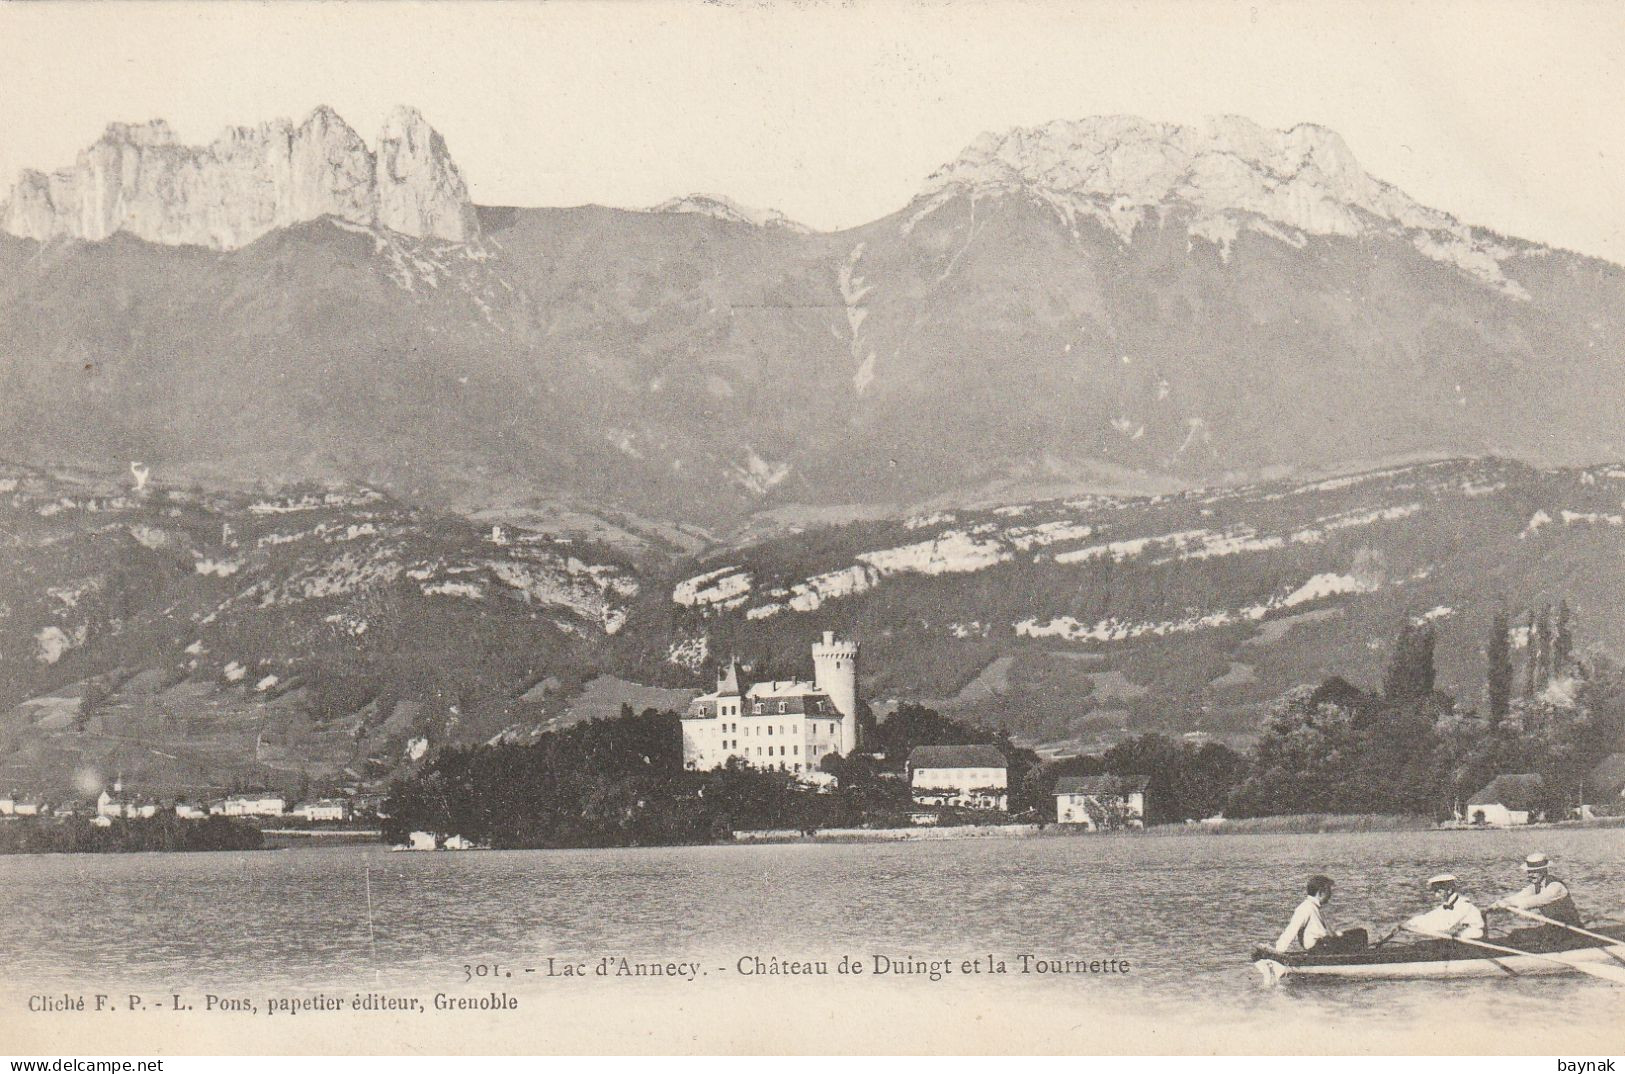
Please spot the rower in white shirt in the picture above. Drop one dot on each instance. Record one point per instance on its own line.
(1454, 916)
(1308, 928)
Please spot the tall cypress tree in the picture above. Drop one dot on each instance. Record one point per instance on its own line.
(1410, 672)
(1498, 675)
(1562, 637)
(1531, 661)
(1541, 648)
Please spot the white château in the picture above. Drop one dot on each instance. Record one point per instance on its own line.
(785, 725)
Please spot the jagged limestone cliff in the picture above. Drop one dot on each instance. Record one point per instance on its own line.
(138, 179)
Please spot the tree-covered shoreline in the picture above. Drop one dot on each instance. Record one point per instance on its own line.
(77, 835)
(1406, 748)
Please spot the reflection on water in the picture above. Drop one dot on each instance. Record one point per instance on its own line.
(1182, 911)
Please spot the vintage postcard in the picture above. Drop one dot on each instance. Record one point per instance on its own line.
(812, 528)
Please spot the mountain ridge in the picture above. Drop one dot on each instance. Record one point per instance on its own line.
(1014, 327)
(138, 178)
(192, 638)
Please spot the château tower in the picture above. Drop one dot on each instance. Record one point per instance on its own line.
(835, 674)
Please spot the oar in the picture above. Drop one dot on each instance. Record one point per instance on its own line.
(1609, 940)
(1615, 974)
(1391, 934)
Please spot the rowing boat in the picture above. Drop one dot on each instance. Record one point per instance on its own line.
(1551, 952)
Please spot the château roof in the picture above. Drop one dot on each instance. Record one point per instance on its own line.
(776, 688)
(804, 699)
(956, 757)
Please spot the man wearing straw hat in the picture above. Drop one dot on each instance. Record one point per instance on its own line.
(1545, 894)
(1454, 916)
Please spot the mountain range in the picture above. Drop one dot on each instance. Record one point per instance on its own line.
(314, 464)
(1102, 304)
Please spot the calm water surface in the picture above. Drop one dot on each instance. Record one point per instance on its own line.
(1182, 910)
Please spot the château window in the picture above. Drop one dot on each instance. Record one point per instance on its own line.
(782, 708)
(758, 708)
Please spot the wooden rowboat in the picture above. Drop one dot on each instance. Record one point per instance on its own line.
(1551, 952)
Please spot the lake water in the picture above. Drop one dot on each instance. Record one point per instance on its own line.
(1182, 910)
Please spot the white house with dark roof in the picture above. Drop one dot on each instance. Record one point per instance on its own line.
(1507, 800)
(789, 725)
(1101, 803)
(971, 777)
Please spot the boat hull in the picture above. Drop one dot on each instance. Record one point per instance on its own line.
(1443, 959)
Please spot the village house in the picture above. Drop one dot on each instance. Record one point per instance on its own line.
(1101, 803)
(1507, 800)
(323, 809)
(8, 804)
(257, 804)
(787, 725)
(971, 777)
(113, 803)
(30, 806)
(190, 810)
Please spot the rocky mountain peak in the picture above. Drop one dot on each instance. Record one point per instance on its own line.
(152, 133)
(420, 190)
(1303, 177)
(139, 179)
(1230, 173)
(721, 207)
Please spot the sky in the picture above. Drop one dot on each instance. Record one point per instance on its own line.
(1509, 115)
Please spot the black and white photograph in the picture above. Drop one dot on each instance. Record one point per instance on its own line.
(784, 527)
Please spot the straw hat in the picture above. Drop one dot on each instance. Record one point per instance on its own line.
(1441, 880)
(1536, 863)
